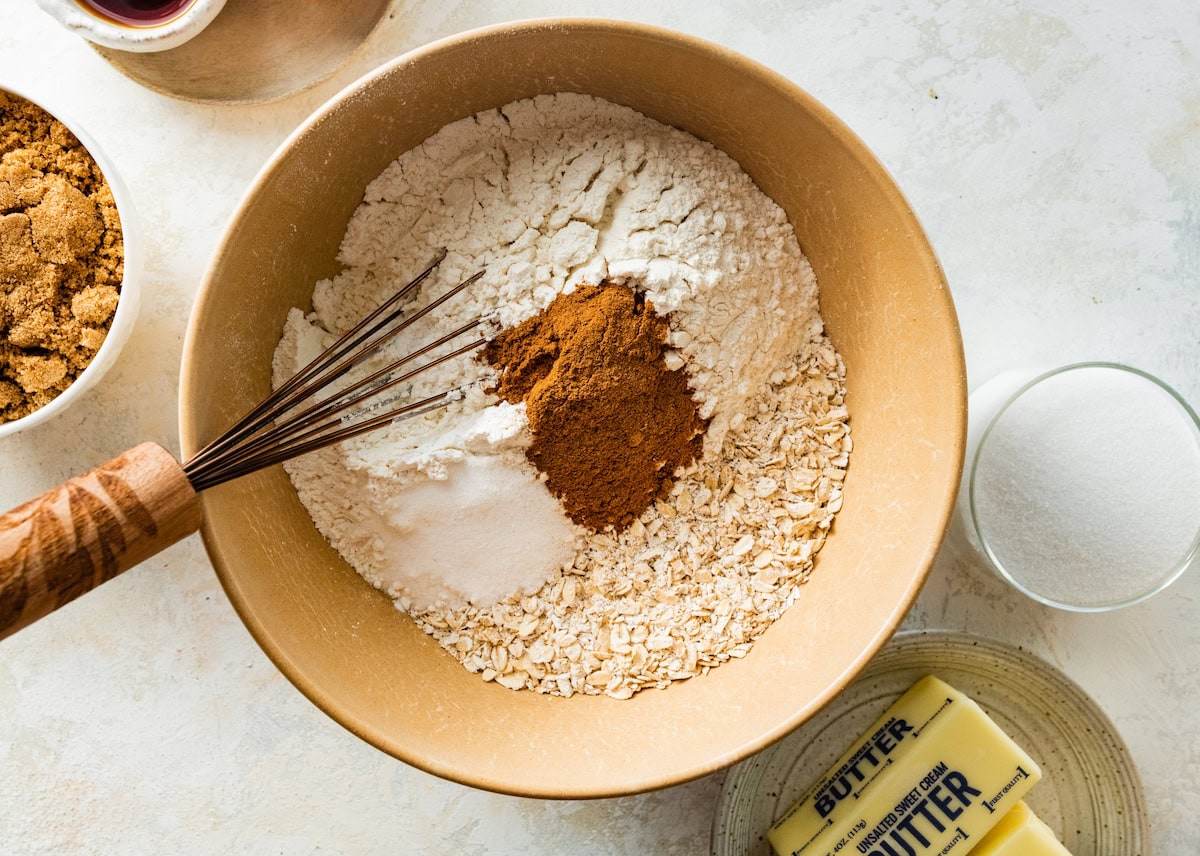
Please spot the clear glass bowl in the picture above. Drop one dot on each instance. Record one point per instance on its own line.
(1082, 484)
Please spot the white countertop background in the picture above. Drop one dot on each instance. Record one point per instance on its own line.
(1052, 150)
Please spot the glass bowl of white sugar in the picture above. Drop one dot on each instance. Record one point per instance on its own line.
(1082, 484)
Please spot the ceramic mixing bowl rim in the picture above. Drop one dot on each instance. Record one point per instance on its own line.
(125, 315)
(957, 402)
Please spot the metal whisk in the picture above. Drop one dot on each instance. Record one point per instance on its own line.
(263, 437)
(74, 537)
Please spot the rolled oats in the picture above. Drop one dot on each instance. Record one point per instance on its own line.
(700, 576)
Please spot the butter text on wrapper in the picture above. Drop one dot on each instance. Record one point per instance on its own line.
(932, 775)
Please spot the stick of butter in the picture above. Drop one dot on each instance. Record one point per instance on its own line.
(1020, 833)
(930, 778)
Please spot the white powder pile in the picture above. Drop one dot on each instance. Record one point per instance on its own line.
(445, 513)
(1087, 487)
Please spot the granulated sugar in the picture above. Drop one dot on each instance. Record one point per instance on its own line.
(546, 195)
(1087, 487)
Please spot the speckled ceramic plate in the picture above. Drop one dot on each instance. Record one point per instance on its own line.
(1090, 793)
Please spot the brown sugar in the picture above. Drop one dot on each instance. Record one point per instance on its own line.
(61, 258)
(610, 422)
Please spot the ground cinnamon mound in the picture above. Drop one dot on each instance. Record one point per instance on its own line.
(61, 258)
(610, 422)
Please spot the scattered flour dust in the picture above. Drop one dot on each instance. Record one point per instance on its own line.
(445, 513)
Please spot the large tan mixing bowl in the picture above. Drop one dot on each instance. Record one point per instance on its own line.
(887, 310)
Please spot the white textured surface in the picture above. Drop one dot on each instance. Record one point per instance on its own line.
(1053, 152)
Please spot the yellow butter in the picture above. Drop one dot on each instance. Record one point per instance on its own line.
(1020, 833)
(929, 778)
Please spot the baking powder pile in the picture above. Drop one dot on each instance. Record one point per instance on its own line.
(445, 511)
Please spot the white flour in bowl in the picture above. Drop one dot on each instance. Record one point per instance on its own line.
(446, 514)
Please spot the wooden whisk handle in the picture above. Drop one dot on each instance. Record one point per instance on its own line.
(75, 536)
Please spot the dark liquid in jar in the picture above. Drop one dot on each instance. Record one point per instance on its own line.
(139, 13)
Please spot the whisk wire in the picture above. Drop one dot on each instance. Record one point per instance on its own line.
(372, 382)
(364, 350)
(238, 468)
(300, 425)
(278, 401)
(263, 437)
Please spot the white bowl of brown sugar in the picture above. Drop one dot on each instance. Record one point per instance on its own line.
(70, 262)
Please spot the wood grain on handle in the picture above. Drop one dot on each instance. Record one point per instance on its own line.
(74, 537)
